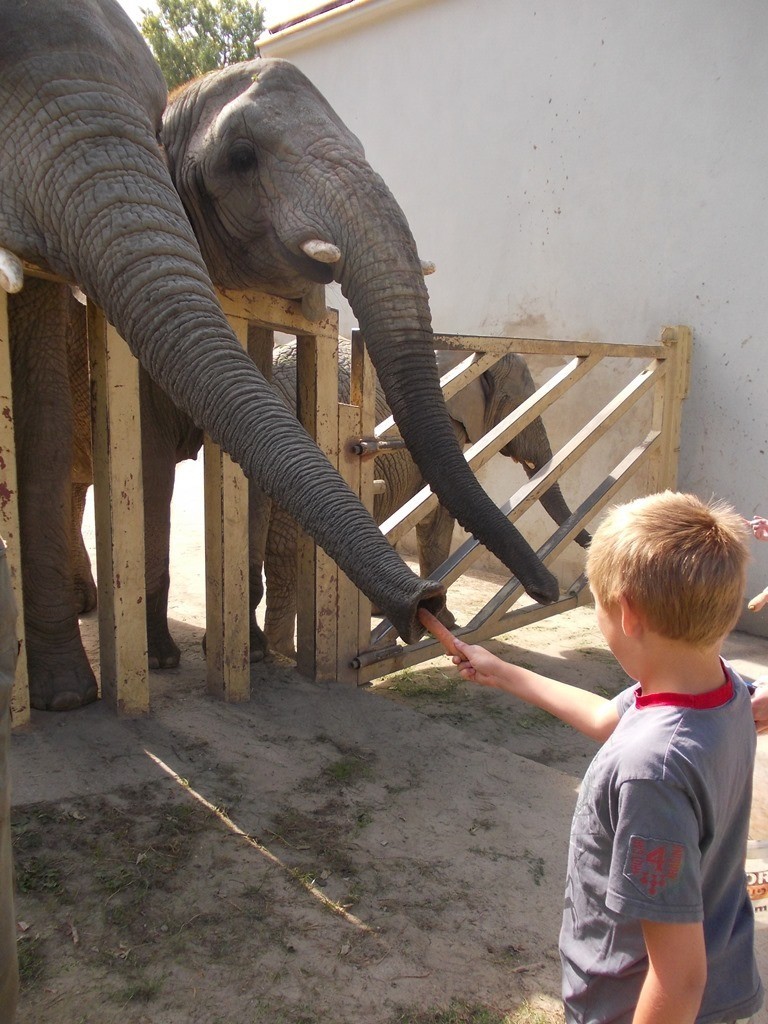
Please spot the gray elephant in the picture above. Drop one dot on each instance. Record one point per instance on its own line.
(85, 193)
(282, 199)
(474, 410)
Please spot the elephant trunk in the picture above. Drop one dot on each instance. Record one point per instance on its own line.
(384, 285)
(531, 447)
(133, 252)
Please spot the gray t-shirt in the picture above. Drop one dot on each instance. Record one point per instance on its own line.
(659, 834)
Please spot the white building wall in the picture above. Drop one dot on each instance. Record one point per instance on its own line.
(589, 170)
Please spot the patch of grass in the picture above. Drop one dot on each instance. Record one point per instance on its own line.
(527, 1014)
(536, 719)
(432, 684)
(457, 1012)
(121, 852)
(353, 897)
(32, 962)
(461, 1012)
(535, 866)
(142, 990)
(364, 818)
(348, 770)
(40, 875)
(316, 839)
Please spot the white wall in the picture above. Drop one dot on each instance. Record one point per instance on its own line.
(584, 170)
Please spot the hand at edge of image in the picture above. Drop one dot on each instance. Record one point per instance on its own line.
(759, 527)
(760, 704)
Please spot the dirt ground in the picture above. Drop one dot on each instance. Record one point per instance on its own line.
(318, 855)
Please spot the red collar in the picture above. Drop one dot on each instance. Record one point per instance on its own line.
(700, 701)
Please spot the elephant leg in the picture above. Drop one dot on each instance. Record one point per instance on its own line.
(159, 470)
(82, 573)
(60, 677)
(160, 428)
(82, 457)
(281, 571)
(259, 510)
(434, 534)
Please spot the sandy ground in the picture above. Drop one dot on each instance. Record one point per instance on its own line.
(318, 855)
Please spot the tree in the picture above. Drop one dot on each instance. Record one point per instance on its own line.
(190, 37)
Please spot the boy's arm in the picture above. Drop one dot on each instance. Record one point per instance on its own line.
(677, 973)
(588, 712)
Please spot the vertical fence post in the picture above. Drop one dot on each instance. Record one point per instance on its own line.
(357, 419)
(119, 514)
(667, 407)
(9, 513)
(227, 641)
(317, 394)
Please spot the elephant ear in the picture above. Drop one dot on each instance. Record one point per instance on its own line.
(469, 407)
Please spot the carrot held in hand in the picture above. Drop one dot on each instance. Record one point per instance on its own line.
(439, 631)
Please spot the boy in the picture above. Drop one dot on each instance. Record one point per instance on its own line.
(657, 926)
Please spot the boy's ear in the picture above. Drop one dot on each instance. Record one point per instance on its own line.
(631, 623)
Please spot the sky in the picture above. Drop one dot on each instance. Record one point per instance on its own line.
(276, 10)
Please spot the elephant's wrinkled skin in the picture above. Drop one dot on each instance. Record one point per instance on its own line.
(85, 193)
(474, 410)
(282, 199)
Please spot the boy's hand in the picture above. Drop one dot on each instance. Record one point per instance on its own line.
(476, 664)
(758, 601)
(759, 527)
(473, 662)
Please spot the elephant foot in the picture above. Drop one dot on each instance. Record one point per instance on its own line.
(62, 689)
(285, 651)
(85, 595)
(258, 643)
(162, 650)
(259, 648)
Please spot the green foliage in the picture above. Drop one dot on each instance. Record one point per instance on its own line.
(191, 37)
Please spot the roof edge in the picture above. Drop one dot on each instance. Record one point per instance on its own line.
(330, 19)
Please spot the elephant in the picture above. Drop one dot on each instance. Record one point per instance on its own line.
(474, 410)
(282, 199)
(97, 188)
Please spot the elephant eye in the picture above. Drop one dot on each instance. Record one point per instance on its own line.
(242, 157)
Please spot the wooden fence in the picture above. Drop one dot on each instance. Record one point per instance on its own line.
(664, 372)
(345, 647)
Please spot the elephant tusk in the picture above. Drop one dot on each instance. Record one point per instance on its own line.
(427, 267)
(323, 252)
(78, 294)
(11, 272)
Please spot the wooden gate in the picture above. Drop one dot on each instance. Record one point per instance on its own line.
(335, 638)
(664, 372)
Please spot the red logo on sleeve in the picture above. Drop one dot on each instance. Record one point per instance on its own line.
(653, 864)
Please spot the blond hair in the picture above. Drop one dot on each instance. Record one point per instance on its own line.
(680, 562)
